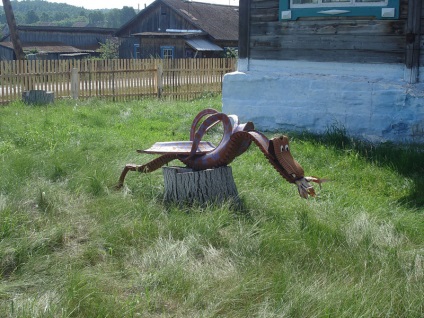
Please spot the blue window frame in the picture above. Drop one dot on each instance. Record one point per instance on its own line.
(380, 9)
(136, 53)
(167, 52)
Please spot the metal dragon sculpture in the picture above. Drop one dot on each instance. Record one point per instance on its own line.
(200, 155)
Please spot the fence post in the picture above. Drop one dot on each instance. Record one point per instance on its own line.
(113, 79)
(160, 79)
(74, 83)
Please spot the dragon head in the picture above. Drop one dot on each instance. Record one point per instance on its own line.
(293, 171)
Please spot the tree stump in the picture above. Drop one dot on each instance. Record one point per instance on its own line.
(37, 97)
(186, 186)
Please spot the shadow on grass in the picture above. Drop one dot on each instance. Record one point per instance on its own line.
(407, 160)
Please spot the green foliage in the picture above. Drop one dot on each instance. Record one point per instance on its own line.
(73, 246)
(96, 17)
(115, 18)
(231, 52)
(32, 12)
(31, 17)
(110, 49)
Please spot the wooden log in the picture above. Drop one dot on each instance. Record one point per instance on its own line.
(37, 97)
(186, 186)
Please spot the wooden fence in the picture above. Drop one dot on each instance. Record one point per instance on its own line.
(114, 79)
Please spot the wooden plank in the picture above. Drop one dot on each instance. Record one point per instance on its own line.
(323, 55)
(16, 79)
(264, 4)
(413, 34)
(264, 11)
(345, 39)
(403, 7)
(330, 27)
(330, 42)
(3, 82)
(264, 15)
(47, 67)
(244, 28)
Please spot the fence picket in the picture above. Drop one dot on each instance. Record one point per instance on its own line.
(183, 79)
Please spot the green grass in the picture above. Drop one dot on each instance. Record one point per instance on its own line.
(72, 246)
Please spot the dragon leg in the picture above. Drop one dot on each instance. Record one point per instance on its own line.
(146, 168)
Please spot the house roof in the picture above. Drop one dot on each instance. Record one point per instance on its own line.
(49, 47)
(219, 21)
(55, 28)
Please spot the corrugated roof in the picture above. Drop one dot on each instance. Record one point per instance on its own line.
(203, 45)
(48, 47)
(55, 28)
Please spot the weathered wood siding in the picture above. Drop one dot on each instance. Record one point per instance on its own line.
(330, 39)
(151, 47)
(422, 38)
(126, 48)
(6, 54)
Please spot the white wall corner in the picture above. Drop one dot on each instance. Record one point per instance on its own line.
(411, 76)
(282, 97)
(243, 65)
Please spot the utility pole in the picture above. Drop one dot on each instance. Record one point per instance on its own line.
(14, 36)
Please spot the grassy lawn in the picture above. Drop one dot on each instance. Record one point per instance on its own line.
(72, 246)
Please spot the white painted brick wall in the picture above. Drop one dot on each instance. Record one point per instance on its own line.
(369, 101)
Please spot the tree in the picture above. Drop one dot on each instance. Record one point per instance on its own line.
(2, 18)
(117, 17)
(44, 17)
(60, 16)
(127, 13)
(113, 18)
(14, 36)
(110, 49)
(96, 18)
(31, 17)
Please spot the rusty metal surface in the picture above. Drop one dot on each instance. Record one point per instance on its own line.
(178, 148)
(200, 155)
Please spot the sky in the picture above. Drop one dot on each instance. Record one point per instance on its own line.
(102, 4)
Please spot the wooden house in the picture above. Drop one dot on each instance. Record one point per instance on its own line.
(54, 42)
(317, 64)
(179, 29)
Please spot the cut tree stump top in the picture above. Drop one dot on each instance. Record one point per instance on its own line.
(37, 97)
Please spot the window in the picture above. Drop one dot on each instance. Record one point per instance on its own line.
(322, 3)
(302, 3)
(136, 53)
(167, 52)
(380, 9)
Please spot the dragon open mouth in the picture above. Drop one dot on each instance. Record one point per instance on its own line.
(305, 188)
